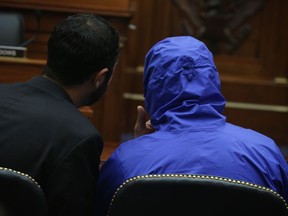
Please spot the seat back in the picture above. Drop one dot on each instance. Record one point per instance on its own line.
(20, 195)
(12, 29)
(194, 195)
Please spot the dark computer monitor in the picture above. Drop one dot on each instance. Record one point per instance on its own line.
(11, 28)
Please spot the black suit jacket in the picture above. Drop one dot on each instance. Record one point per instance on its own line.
(44, 135)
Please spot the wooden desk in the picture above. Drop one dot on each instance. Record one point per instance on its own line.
(19, 69)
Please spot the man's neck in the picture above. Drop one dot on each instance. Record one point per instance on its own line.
(74, 92)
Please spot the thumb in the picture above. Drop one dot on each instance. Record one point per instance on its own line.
(140, 124)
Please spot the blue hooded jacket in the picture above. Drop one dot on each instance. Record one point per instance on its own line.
(183, 98)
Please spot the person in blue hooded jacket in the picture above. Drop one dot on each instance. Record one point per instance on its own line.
(183, 99)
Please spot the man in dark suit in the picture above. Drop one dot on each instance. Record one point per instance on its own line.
(43, 133)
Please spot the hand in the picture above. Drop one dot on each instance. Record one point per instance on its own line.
(142, 126)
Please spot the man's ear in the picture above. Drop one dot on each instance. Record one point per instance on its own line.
(99, 77)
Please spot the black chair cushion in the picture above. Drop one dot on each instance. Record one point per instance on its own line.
(20, 195)
(194, 195)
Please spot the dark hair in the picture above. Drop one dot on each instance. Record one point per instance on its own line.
(79, 46)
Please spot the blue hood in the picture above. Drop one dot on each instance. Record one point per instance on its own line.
(182, 85)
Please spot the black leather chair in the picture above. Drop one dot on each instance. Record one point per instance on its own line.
(181, 195)
(11, 28)
(20, 195)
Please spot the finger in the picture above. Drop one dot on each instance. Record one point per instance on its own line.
(149, 125)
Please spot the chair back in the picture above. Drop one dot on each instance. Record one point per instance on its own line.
(12, 29)
(180, 195)
(20, 195)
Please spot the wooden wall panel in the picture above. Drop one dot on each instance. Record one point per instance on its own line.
(273, 38)
(104, 7)
(249, 118)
